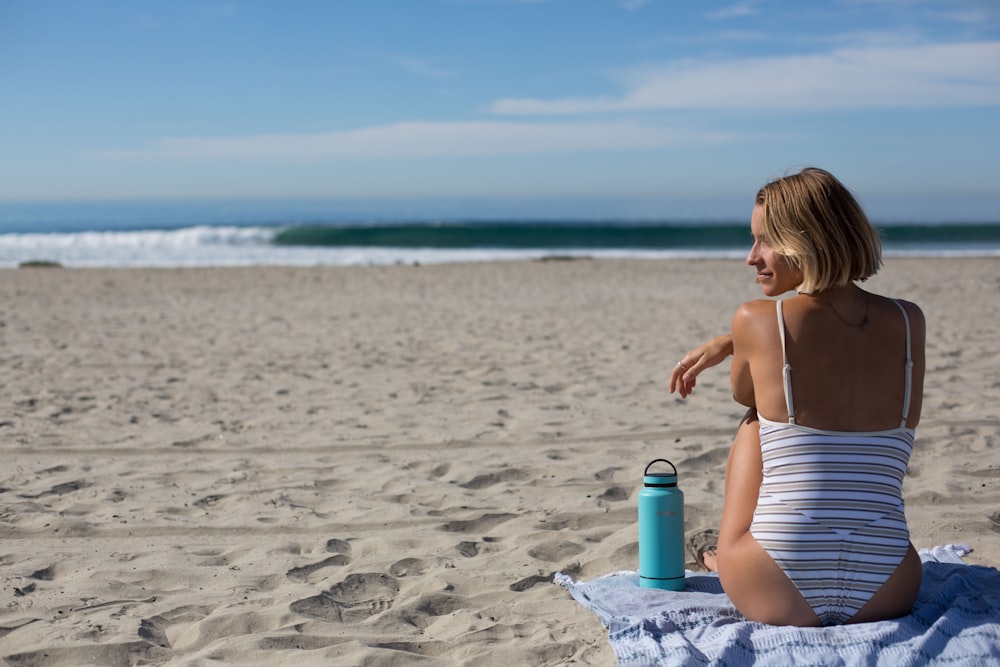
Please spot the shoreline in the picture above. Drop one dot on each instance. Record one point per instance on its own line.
(425, 243)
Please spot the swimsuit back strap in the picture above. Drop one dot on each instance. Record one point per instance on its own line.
(786, 368)
(908, 373)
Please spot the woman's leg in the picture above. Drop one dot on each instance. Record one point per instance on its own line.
(750, 577)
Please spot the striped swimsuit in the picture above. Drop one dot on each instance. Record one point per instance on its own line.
(830, 509)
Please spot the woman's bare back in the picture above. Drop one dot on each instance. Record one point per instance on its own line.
(845, 377)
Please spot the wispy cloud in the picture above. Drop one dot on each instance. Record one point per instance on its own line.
(418, 65)
(425, 140)
(944, 75)
(902, 37)
(220, 10)
(978, 19)
(421, 66)
(715, 39)
(633, 5)
(978, 16)
(734, 11)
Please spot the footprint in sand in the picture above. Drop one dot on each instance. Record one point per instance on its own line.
(139, 652)
(354, 599)
(615, 494)
(534, 580)
(209, 501)
(154, 628)
(409, 567)
(440, 604)
(468, 549)
(489, 479)
(302, 573)
(61, 489)
(480, 525)
(441, 470)
(296, 642)
(606, 475)
(555, 550)
(335, 546)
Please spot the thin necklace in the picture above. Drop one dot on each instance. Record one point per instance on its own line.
(864, 320)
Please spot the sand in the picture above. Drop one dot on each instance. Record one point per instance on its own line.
(386, 465)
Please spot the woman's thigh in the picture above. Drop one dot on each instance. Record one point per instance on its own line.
(757, 586)
(750, 577)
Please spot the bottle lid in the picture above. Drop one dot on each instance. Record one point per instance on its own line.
(659, 479)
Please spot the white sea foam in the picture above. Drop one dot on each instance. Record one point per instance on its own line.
(191, 246)
(252, 246)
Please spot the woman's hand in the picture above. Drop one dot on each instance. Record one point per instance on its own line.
(706, 355)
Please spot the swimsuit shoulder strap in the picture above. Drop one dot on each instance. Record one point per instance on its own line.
(908, 372)
(786, 368)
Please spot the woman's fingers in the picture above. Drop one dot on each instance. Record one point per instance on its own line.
(676, 375)
(683, 374)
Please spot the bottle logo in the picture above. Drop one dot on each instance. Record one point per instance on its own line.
(664, 514)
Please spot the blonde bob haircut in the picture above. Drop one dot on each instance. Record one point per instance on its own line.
(818, 225)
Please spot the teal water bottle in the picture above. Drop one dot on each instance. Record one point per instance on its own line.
(661, 530)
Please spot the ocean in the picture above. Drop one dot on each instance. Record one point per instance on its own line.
(183, 234)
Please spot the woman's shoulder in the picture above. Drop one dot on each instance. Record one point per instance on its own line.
(912, 309)
(913, 312)
(753, 315)
(755, 310)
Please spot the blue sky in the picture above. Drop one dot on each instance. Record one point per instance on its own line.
(696, 103)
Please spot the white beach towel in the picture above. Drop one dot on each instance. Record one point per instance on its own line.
(955, 621)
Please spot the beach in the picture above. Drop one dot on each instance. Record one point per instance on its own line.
(386, 465)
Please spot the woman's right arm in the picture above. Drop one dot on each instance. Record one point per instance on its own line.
(706, 355)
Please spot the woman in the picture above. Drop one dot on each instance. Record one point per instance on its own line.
(813, 531)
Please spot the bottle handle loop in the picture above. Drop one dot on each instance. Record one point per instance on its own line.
(650, 465)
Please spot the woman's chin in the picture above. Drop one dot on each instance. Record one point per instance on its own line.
(766, 287)
(772, 290)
